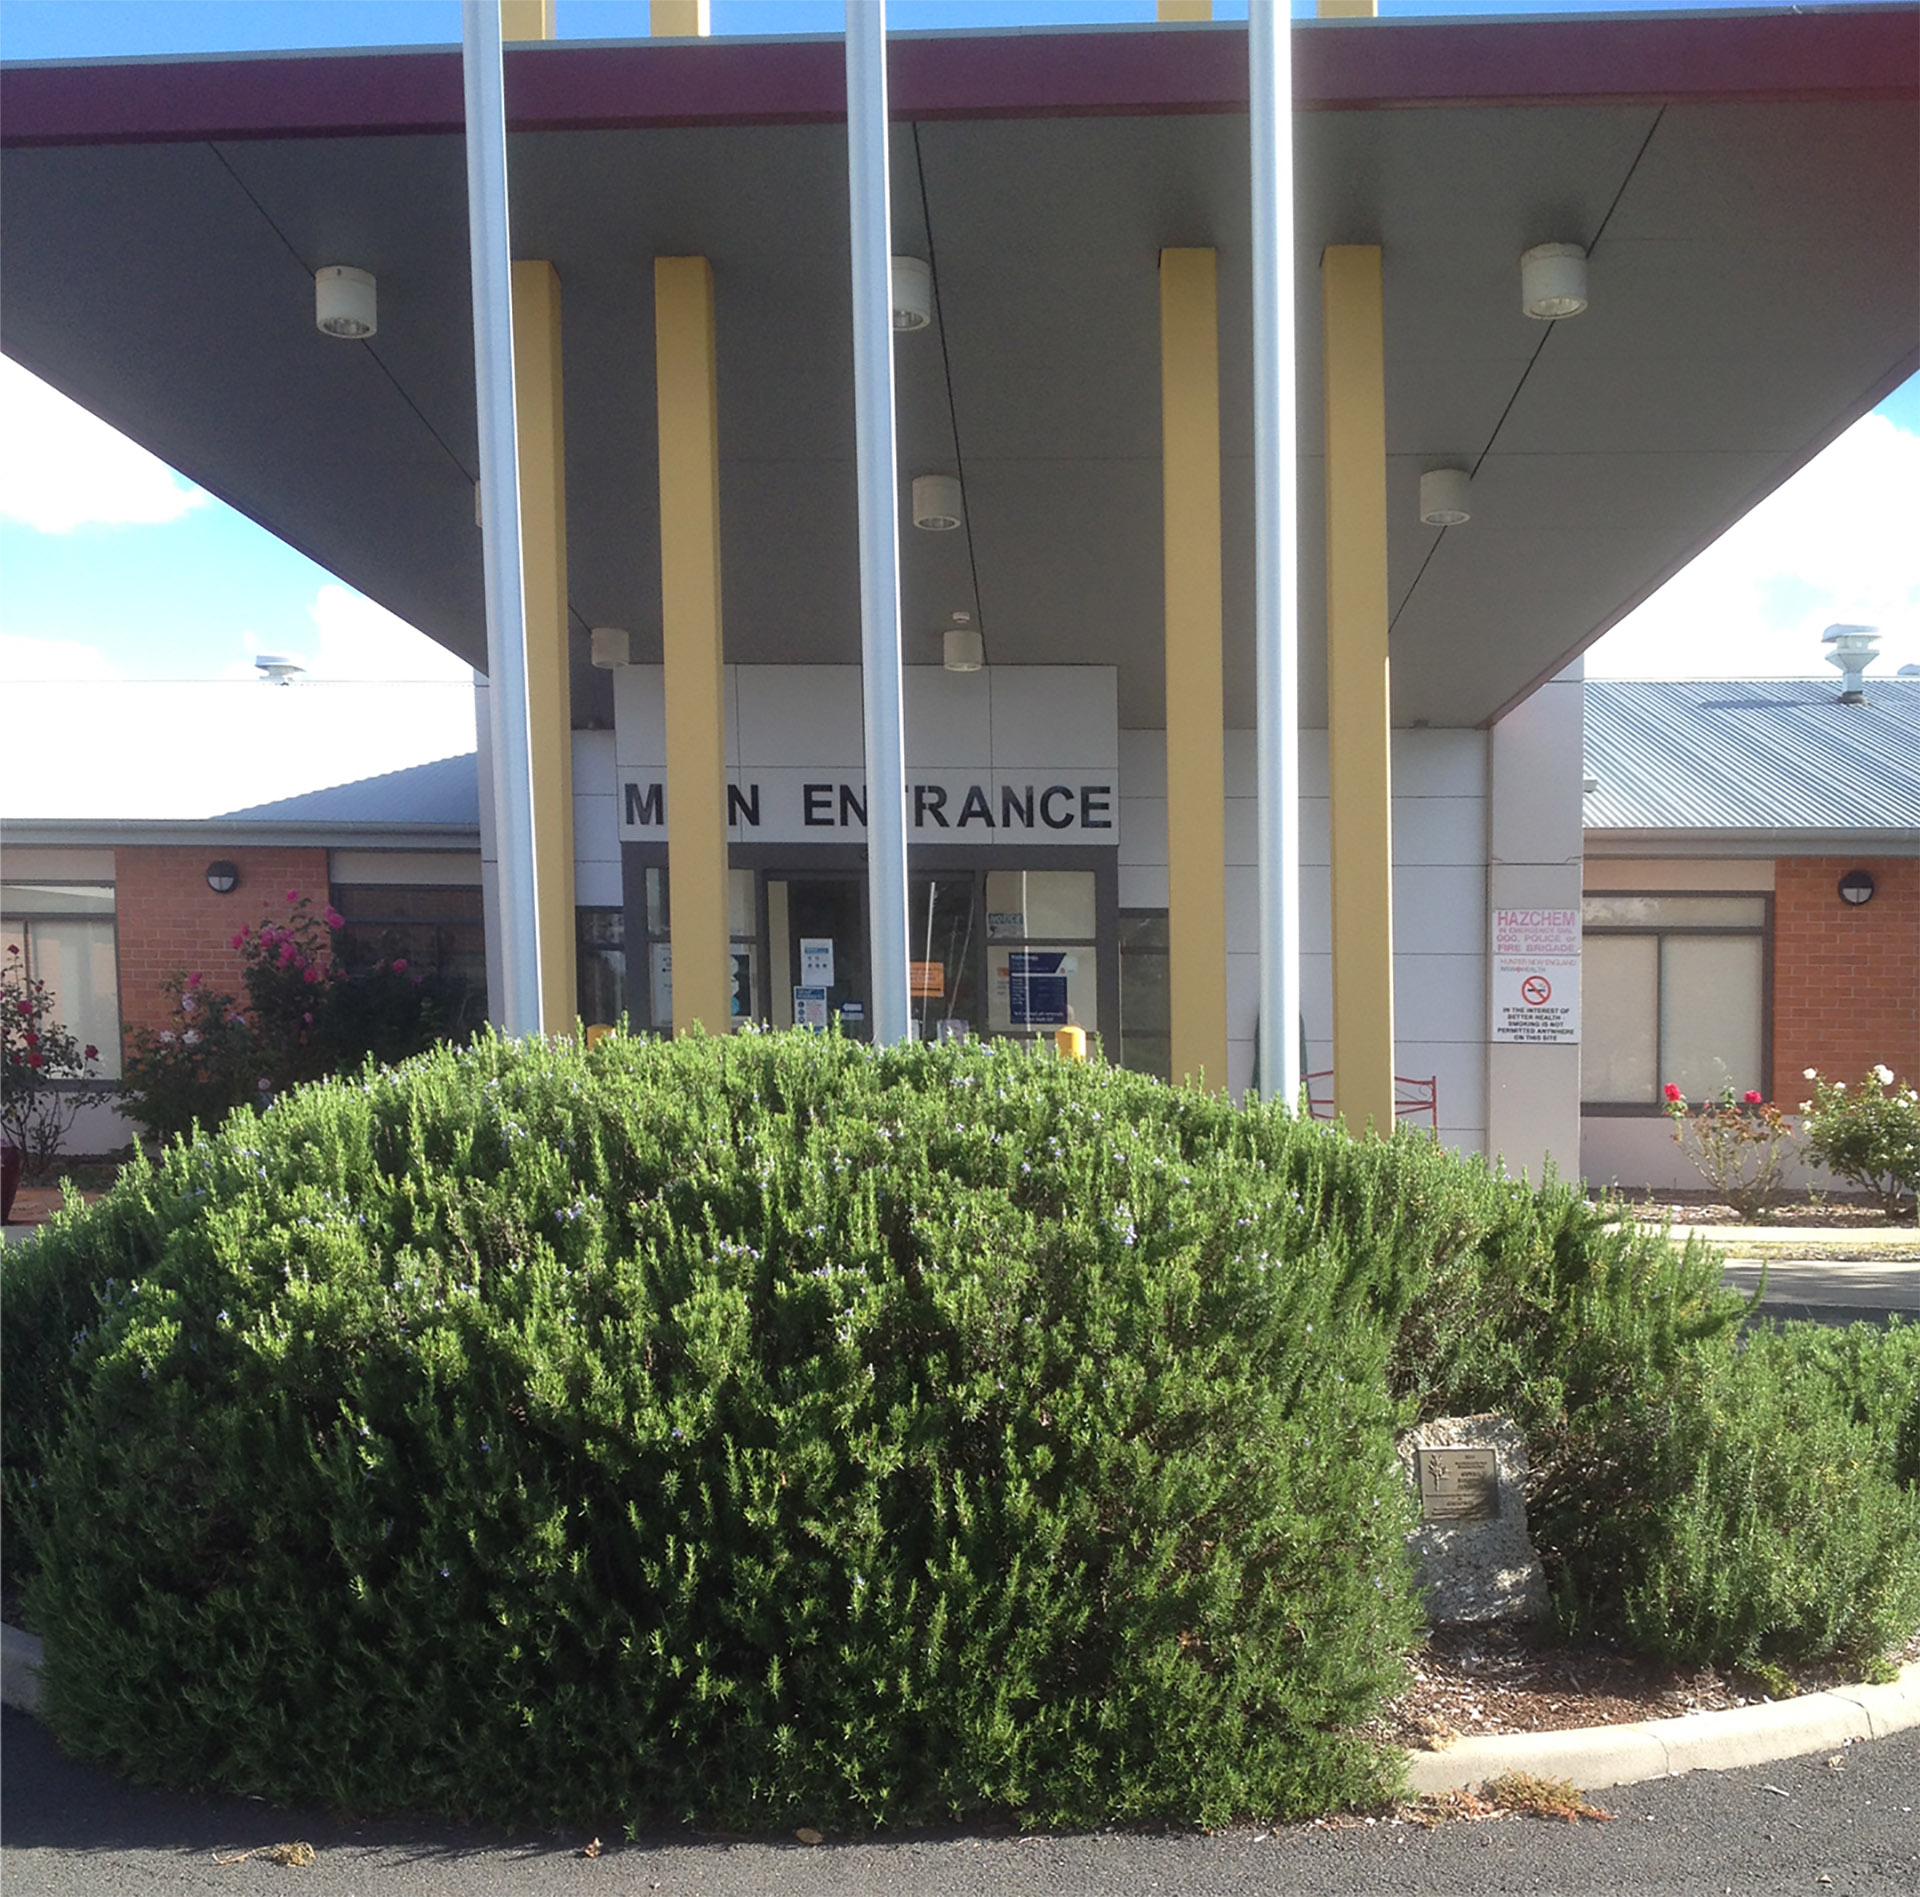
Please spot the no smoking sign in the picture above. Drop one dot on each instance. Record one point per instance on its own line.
(1535, 969)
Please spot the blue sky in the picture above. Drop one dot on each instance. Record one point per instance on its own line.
(126, 590)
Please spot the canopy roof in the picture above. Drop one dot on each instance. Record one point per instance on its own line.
(1746, 184)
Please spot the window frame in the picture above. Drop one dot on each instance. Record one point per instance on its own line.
(1762, 931)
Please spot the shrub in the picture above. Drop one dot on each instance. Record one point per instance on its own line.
(1782, 1532)
(761, 1428)
(1869, 1137)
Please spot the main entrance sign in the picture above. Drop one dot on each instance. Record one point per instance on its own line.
(1020, 756)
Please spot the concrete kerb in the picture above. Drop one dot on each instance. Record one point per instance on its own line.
(1593, 1757)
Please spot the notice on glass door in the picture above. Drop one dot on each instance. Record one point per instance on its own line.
(816, 961)
(1536, 975)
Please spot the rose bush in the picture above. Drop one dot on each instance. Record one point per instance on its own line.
(1740, 1144)
(308, 1012)
(37, 1110)
(1869, 1136)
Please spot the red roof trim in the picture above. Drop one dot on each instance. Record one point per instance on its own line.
(1871, 54)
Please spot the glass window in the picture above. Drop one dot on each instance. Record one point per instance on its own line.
(742, 928)
(601, 965)
(74, 956)
(1620, 1000)
(1674, 991)
(439, 928)
(1043, 970)
(1146, 1043)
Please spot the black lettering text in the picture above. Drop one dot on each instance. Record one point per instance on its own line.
(976, 806)
(853, 808)
(1095, 802)
(930, 801)
(646, 805)
(1046, 807)
(1011, 806)
(816, 805)
(743, 806)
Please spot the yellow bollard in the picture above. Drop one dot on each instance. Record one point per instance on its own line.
(597, 1032)
(1070, 1043)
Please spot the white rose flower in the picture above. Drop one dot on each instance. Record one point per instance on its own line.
(1884, 1075)
(1810, 1073)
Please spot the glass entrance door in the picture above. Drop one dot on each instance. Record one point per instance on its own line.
(943, 956)
(818, 926)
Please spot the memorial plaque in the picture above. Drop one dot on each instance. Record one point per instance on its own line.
(1458, 1484)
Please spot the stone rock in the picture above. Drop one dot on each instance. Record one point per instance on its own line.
(1474, 1560)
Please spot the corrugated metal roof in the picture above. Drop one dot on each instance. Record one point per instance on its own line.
(446, 792)
(1752, 755)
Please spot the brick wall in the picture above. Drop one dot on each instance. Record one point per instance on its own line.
(1846, 980)
(169, 922)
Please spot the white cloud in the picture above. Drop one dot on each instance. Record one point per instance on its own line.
(65, 468)
(52, 661)
(359, 640)
(1835, 543)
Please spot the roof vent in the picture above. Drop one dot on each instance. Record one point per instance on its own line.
(1852, 649)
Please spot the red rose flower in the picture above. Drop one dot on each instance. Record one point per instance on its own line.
(1753, 1096)
(1672, 1092)
(91, 1053)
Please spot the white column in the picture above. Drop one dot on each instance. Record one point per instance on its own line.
(1534, 861)
(870, 204)
(1275, 551)
(518, 1006)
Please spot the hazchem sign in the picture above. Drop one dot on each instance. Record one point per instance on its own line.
(1536, 975)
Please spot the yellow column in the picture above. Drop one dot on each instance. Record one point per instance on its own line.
(540, 432)
(686, 370)
(1196, 762)
(526, 20)
(678, 19)
(1347, 9)
(1357, 696)
(1185, 10)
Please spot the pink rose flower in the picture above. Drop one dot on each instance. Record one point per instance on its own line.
(239, 941)
(1753, 1096)
(335, 920)
(92, 1052)
(313, 974)
(194, 981)
(399, 964)
(293, 895)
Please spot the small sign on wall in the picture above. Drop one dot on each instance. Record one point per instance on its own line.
(1536, 975)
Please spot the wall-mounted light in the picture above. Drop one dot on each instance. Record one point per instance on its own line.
(610, 646)
(962, 648)
(223, 878)
(344, 302)
(1856, 887)
(1443, 497)
(1553, 281)
(912, 293)
(936, 503)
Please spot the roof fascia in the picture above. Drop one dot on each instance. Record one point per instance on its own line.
(1863, 54)
(1752, 842)
(207, 832)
